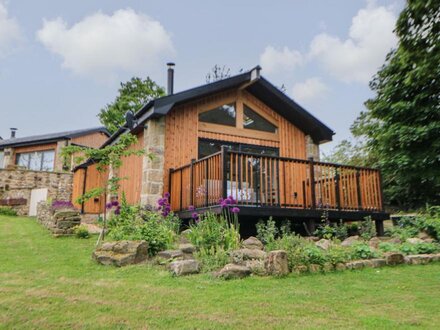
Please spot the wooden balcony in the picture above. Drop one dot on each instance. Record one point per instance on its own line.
(277, 186)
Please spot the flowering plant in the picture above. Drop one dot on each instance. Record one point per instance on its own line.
(113, 205)
(58, 204)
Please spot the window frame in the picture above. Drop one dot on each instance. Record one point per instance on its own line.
(38, 153)
(259, 114)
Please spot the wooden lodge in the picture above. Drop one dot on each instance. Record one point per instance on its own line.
(239, 137)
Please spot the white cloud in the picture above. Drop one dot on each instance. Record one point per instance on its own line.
(273, 60)
(309, 90)
(357, 58)
(103, 45)
(10, 32)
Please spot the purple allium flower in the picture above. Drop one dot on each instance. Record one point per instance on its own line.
(223, 204)
(235, 210)
(166, 195)
(161, 201)
(115, 203)
(232, 200)
(195, 216)
(118, 210)
(191, 208)
(108, 205)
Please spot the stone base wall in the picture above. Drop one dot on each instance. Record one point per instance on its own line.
(153, 169)
(59, 222)
(312, 149)
(18, 183)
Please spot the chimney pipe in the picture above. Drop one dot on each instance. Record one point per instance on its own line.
(170, 87)
(13, 130)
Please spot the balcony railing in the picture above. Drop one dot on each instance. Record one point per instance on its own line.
(268, 181)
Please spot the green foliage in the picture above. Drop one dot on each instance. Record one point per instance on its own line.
(267, 232)
(349, 153)
(213, 232)
(133, 223)
(388, 247)
(81, 231)
(427, 248)
(330, 231)
(366, 228)
(7, 210)
(132, 96)
(362, 251)
(401, 126)
(212, 259)
(338, 254)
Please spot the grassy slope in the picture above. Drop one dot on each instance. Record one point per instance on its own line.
(52, 283)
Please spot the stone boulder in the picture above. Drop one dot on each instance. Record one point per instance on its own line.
(253, 243)
(340, 266)
(356, 264)
(394, 258)
(378, 262)
(187, 248)
(324, 244)
(276, 263)
(374, 242)
(418, 259)
(414, 240)
(424, 236)
(256, 266)
(184, 267)
(349, 241)
(241, 255)
(314, 268)
(121, 253)
(233, 271)
(170, 254)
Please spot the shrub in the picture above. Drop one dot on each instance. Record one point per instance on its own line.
(337, 254)
(427, 248)
(329, 231)
(212, 259)
(388, 247)
(407, 248)
(81, 231)
(362, 251)
(429, 221)
(313, 255)
(7, 210)
(267, 232)
(133, 223)
(293, 245)
(366, 229)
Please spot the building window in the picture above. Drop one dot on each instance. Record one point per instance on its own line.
(2, 159)
(223, 115)
(252, 120)
(36, 161)
(208, 147)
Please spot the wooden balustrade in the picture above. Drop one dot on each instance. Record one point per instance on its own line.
(260, 180)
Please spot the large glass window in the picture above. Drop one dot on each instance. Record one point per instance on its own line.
(208, 147)
(253, 120)
(36, 161)
(223, 115)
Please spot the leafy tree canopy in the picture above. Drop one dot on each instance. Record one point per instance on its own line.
(401, 126)
(349, 153)
(132, 96)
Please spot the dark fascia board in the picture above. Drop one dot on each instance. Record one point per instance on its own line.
(31, 143)
(289, 109)
(261, 88)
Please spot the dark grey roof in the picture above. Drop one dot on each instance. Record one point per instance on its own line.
(52, 137)
(253, 83)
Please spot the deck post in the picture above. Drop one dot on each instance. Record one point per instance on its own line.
(379, 227)
(191, 182)
(181, 190)
(358, 186)
(381, 191)
(337, 190)
(207, 182)
(312, 181)
(170, 173)
(224, 159)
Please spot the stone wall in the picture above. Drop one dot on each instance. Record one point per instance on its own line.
(153, 169)
(60, 222)
(312, 149)
(18, 183)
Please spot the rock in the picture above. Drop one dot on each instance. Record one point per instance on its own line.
(276, 263)
(184, 236)
(256, 266)
(184, 267)
(340, 266)
(253, 243)
(238, 256)
(414, 240)
(312, 238)
(170, 254)
(378, 262)
(418, 259)
(367, 263)
(299, 269)
(121, 253)
(324, 244)
(435, 257)
(395, 240)
(314, 268)
(328, 267)
(349, 241)
(424, 235)
(187, 248)
(374, 243)
(429, 240)
(232, 271)
(356, 264)
(394, 258)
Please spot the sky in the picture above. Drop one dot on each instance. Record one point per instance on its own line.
(62, 61)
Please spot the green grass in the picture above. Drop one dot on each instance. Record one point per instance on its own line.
(50, 283)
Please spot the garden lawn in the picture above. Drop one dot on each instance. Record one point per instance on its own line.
(48, 282)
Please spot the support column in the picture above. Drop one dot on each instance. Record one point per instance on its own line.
(379, 227)
(312, 149)
(153, 169)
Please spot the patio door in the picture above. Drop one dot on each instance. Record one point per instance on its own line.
(251, 180)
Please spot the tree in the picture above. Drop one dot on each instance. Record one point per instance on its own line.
(132, 96)
(218, 73)
(349, 153)
(401, 126)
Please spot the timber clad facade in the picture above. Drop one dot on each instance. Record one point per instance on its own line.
(239, 137)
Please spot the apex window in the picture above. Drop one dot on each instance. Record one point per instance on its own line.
(253, 120)
(222, 115)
